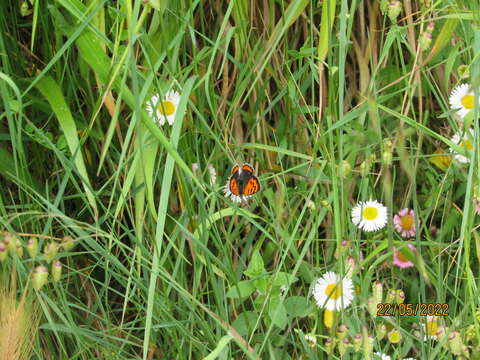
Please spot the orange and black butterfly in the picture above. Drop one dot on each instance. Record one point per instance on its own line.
(242, 183)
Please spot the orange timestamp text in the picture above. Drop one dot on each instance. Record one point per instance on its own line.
(387, 309)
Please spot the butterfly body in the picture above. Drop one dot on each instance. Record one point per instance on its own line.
(242, 183)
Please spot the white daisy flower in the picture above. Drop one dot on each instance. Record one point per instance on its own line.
(461, 99)
(369, 215)
(466, 141)
(163, 109)
(332, 292)
(228, 193)
(381, 356)
(430, 328)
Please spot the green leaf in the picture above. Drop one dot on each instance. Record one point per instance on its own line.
(297, 306)
(242, 289)
(328, 16)
(256, 266)
(245, 322)
(283, 279)
(277, 313)
(52, 92)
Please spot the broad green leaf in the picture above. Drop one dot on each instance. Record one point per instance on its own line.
(245, 322)
(283, 279)
(256, 266)
(242, 289)
(277, 313)
(297, 306)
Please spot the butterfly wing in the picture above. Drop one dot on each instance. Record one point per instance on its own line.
(235, 169)
(233, 186)
(247, 168)
(252, 186)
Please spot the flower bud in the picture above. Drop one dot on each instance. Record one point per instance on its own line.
(425, 40)
(463, 71)
(68, 243)
(24, 10)
(311, 339)
(19, 249)
(372, 306)
(431, 26)
(357, 342)
(343, 346)
(381, 331)
(441, 333)
(329, 345)
(50, 251)
(377, 289)
(455, 343)
(471, 333)
(311, 205)
(425, 3)
(394, 336)
(344, 169)
(394, 9)
(328, 318)
(11, 242)
(39, 277)
(342, 249)
(368, 346)
(365, 168)
(3, 251)
(351, 266)
(387, 157)
(342, 332)
(32, 247)
(324, 203)
(392, 293)
(56, 270)
(399, 296)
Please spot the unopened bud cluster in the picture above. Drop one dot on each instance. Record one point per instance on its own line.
(14, 245)
(426, 36)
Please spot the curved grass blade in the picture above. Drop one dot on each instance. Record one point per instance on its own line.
(52, 92)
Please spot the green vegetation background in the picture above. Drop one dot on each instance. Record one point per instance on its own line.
(317, 96)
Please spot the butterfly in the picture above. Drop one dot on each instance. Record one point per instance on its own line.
(242, 183)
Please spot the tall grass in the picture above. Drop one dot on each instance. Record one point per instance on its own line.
(332, 102)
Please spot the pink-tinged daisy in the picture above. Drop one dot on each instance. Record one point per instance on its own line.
(400, 260)
(462, 100)
(404, 222)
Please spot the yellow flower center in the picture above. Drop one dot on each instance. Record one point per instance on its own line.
(466, 144)
(407, 222)
(166, 108)
(333, 291)
(432, 328)
(394, 336)
(467, 101)
(370, 213)
(401, 257)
